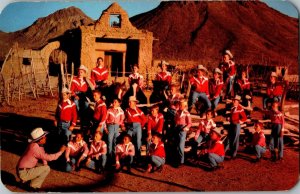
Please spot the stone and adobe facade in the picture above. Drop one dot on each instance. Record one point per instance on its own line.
(118, 42)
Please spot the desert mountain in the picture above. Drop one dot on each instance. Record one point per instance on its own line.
(188, 31)
(200, 31)
(44, 29)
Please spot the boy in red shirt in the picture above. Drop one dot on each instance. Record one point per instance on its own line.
(65, 116)
(258, 141)
(274, 90)
(125, 153)
(157, 155)
(276, 140)
(215, 151)
(237, 117)
(96, 158)
(100, 112)
(99, 74)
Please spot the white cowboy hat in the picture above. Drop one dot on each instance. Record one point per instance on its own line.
(217, 130)
(65, 90)
(37, 134)
(227, 52)
(201, 67)
(274, 74)
(237, 97)
(164, 63)
(217, 70)
(83, 68)
(133, 98)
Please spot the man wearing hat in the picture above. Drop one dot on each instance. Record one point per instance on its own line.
(99, 74)
(215, 88)
(27, 168)
(80, 86)
(215, 152)
(135, 122)
(200, 83)
(228, 68)
(65, 116)
(274, 90)
(164, 75)
(237, 117)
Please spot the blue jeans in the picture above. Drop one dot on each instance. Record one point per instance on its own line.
(69, 166)
(157, 161)
(215, 159)
(259, 150)
(267, 99)
(126, 161)
(181, 144)
(113, 133)
(230, 81)
(276, 141)
(215, 102)
(234, 135)
(202, 136)
(63, 131)
(135, 131)
(94, 164)
(82, 102)
(197, 95)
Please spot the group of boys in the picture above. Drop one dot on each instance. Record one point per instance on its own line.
(107, 121)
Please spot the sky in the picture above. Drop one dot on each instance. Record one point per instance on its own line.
(18, 15)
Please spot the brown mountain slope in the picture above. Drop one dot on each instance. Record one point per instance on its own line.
(200, 31)
(44, 29)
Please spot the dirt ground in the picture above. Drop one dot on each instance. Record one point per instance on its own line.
(17, 120)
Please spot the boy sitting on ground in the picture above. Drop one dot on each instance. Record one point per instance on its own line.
(156, 157)
(124, 154)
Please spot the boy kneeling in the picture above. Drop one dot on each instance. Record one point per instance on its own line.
(124, 154)
(156, 157)
(215, 152)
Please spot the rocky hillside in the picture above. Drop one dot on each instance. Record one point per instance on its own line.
(200, 31)
(45, 29)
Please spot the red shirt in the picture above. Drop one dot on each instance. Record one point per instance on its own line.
(217, 147)
(244, 84)
(80, 85)
(228, 68)
(183, 118)
(115, 116)
(99, 74)
(175, 100)
(276, 117)
(75, 149)
(136, 77)
(215, 88)
(205, 126)
(66, 111)
(100, 112)
(237, 115)
(135, 116)
(33, 154)
(259, 139)
(155, 123)
(157, 150)
(164, 76)
(274, 89)
(201, 84)
(97, 149)
(126, 149)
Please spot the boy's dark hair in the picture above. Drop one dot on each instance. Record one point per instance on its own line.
(97, 91)
(156, 134)
(76, 132)
(118, 99)
(209, 111)
(99, 58)
(127, 135)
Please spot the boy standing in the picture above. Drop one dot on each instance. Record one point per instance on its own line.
(100, 112)
(65, 116)
(183, 123)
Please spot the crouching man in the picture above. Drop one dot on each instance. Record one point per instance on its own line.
(27, 168)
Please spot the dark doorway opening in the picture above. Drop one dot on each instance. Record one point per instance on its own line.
(114, 61)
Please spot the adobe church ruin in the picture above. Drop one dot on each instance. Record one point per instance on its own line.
(114, 38)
